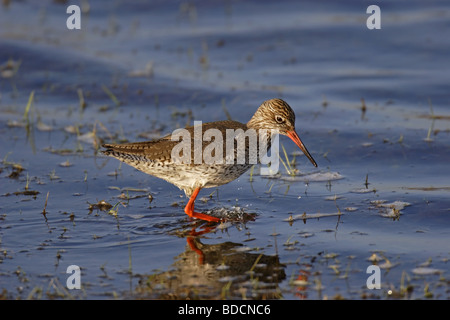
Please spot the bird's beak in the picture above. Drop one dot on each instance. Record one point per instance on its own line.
(294, 137)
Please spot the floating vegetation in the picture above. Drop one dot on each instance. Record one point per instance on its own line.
(374, 258)
(114, 210)
(380, 260)
(16, 168)
(102, 205)
(33, 193)
(53, 176)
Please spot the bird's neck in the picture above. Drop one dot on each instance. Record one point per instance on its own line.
(265, 138)
(255, 121)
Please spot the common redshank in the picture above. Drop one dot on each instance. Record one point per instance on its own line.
(156, 157)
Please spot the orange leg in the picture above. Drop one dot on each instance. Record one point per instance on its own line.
(189, 209)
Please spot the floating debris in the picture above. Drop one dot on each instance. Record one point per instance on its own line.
(305, 216)
(9, 68)
(102, 205)
(305, 234)
(52, 175)
(127, 196)
(129, 189)
(399, 205)
(15, 123)
(16, 170)
(23, 193)
(88, 137)
(391, 213)
(363, 190)
(314, 177)
(43, 127)
(243, 249)
(426, 271)
(136, 216)
(390, 210)
(330, 255)
(61, 152)
(428, 188)
(333, 198)
(65, 164)
(386, 265)
(374, 258)
(71, 129)
(147, 72)
(224, 225)
(222, 267)
(235, 214)
(299, 282)
(377, 202)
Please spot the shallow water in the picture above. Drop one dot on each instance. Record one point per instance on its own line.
(311, 236)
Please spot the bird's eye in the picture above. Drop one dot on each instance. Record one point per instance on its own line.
(279, 119)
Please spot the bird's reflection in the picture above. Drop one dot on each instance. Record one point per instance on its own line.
(193, 242)
(224, 270)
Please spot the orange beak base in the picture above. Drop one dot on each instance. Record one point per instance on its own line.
(294, 137)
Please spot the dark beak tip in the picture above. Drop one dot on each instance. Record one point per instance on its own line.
(294, 137)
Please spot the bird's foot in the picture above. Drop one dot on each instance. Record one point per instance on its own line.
(203, 216)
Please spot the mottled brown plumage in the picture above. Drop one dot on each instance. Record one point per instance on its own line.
(155, 157)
